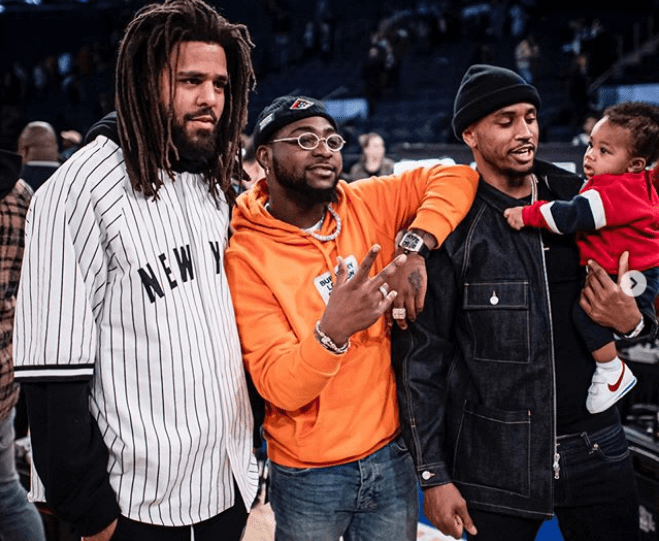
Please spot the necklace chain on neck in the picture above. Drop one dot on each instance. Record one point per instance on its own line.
(335, 233)
(322, 238)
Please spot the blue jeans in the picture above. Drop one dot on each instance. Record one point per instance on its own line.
(372, 498)
(595, 496)
(19, 519)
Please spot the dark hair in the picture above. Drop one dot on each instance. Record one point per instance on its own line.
(642, 120)
(145, 127)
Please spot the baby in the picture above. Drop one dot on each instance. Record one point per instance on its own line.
(616, 211)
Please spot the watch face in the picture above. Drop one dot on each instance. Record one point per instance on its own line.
(411, 242)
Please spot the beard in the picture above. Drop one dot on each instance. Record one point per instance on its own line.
(300, 191)
(517, 178)
(198, 148)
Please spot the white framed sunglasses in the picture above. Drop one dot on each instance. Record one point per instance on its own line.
(310, 141)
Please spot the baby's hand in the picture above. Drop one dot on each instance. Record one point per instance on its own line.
(514, 217)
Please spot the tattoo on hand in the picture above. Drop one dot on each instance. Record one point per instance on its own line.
(415, 281)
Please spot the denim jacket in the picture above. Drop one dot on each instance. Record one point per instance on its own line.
(475, 372)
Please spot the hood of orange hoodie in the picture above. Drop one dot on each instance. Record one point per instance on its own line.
(250, 214)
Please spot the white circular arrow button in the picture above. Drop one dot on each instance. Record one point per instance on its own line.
(633, 283)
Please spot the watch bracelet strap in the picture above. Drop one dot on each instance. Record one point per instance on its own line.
(424, 251)
(637, 330)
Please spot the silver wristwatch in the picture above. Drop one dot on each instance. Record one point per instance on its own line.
(411, 243)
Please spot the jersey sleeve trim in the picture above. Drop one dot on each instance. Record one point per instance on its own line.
(54, 373)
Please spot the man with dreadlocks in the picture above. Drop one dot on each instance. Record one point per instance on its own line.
(126, 340)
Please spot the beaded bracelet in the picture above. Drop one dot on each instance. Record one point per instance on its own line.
(328, 343)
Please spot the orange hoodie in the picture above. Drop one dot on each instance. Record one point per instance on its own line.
(325, 409)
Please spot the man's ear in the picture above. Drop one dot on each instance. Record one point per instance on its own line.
(23, 150)
(636, 165)
(264, 157)
(469, 137)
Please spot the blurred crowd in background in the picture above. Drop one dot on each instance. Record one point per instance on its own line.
(403, 60)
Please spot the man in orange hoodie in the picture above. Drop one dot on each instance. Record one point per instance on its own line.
(308, 270)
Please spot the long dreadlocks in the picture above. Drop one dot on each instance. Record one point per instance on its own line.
(145, 128)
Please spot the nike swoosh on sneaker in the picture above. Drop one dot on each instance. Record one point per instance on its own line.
(613, 388)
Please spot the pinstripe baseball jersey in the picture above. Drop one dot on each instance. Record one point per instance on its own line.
(132, 293)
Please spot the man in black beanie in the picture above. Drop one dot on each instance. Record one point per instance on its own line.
(492, 376)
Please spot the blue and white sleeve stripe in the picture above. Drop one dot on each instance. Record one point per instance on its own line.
(584, 212)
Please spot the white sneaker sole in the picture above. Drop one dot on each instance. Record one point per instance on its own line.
(612, 399)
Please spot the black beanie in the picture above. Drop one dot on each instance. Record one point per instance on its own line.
(484, 89)
(286, 110)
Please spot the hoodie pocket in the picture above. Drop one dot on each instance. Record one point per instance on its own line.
(497, 314)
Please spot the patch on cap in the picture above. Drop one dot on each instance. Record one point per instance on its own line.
(266, 121)
(285, 110)
(300, 104)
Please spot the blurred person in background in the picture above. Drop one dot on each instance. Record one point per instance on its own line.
(71, 141)
(19, 519)
(251, 166)
(583, 138)
(37, 145)
(372, 162)
(527, 55)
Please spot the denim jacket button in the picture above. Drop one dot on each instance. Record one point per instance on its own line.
(426, 475)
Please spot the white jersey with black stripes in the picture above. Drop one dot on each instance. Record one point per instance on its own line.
(131, 293)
